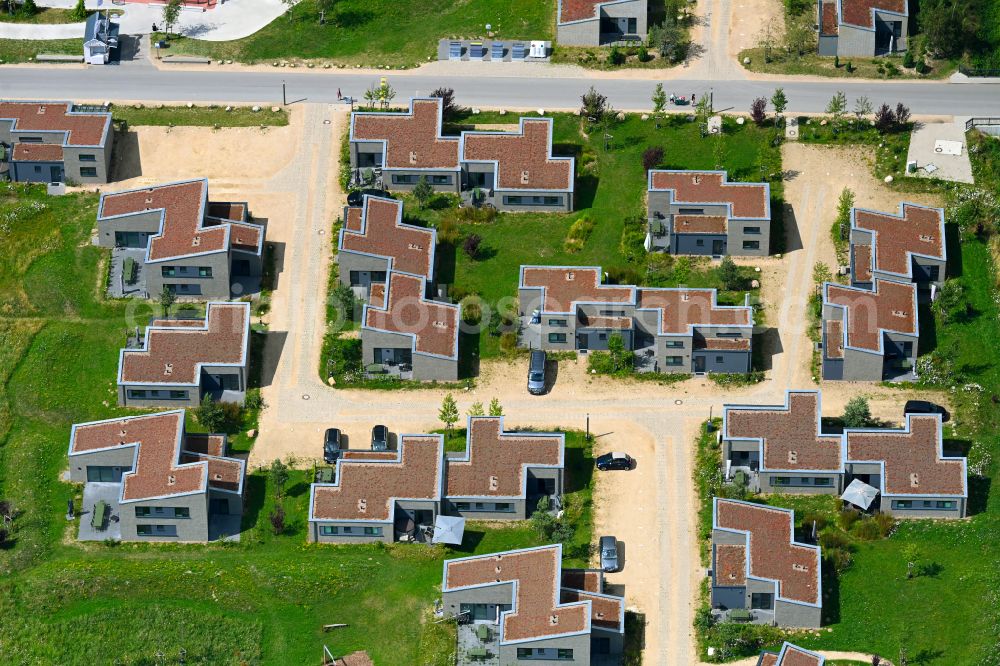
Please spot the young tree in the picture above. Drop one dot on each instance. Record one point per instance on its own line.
(862, 107)
(167, 300)
(950, 25)
(171, 12)
(837, 106)
(902, 115)
(844, 206)
(210, 414)
(659, 99)
(821, 273)
(758, 110)
(729, 274)
(278, 520)
(386, 94)
(594, 106)
(288, 8)
(423, 191)
(857, 414)
(621, 358)
(496, 409)
(79, 11)
(950, 302)
(29, 8)
(767, 39)
(779, 102)
(651, 157)
(476, 409)
(448, 412)
(670, 39)
(471, 245)
(278, 474)
(449, 109)
(885, 119)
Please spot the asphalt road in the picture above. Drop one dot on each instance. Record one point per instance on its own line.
(494, 90)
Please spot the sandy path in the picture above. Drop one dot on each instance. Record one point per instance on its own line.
(747, 17)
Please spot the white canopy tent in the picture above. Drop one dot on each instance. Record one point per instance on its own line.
(860, 494)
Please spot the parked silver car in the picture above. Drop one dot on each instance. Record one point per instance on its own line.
(609, 553)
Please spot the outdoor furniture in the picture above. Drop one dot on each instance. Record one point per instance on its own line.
(375, 369)
(324, 475)
(100, 516)
(478, 653)
(483, 632)
(740, 615)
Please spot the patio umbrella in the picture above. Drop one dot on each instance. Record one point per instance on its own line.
(448, 529)
(859, 494)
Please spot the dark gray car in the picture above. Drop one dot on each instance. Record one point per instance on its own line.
(609, 553)
(536, 373)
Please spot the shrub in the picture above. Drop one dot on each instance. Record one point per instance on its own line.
(838, 558)
(902, 114)
(594, 105)
(472, 311)
(950, 302)
(645, 55)
(758, 110)
(886, 524)
(884, 119)
(232, 416)
(449, 109)
(278, 520)
(79, 11)
(908, 59)
(254, 400)
(922, 67)
(578, 234)
(617, 56)
(846, 518)
(810, 517)
(623, 275)
(857, 413)
(729, 274)
(866, 530)
(652, 157)
(447, 230)
(633, 238)
(471, 245)
(278, 476)
(209, 414)
(343, 298)
(508, 341)
(423, 191)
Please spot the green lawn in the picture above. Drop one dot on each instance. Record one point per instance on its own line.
(377, 32)
(42, 15)
(610, 192)
(200, 116)
(262, 601)
(23, 50)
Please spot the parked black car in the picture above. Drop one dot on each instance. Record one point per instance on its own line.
(614, 461)
(356, 198)
(380, 438)
(925, 407)
(331, 445)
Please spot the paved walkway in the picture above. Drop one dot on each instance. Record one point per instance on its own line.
(234, 19)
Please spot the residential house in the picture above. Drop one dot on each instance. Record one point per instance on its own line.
(100, 38)
(179, 361)
(790, 655)
(702, 213)
(863, 28)
(907, 248)
(522, 605)
(47, 142)
(598, 22)
(783, 448)
(870, 334)
(516, 171)
(374, 241)
(182, 241)
(405, 332)
(670, 330)
(396, 495)
(512, 171)
(760, 574)
(158, 482)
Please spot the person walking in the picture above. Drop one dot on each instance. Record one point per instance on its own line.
(339, 96)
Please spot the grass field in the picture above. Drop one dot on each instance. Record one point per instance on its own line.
(42, 15)
(262, 601)
(862, 68)
(23, 50)
(377, 32)
(200, 116)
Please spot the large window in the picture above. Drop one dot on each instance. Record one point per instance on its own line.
(441, 180)
(155, 394)
(674, 344)
(88, 158)
(761, 601)
(495, 507)
(88, 172)
(558, 654)
(162, 511)
(560, 323)
(156, 530)
(524, 200)
(404, 179)
(673, 360)
(186, 271)
(557, 337)
(751, 245)
(751, 231)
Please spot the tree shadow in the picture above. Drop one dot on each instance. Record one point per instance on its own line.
(352, 18)
(635, 636)
(979, 494)
(926, 656)
(485, 252)
(297, 490)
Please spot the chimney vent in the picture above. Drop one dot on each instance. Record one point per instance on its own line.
(196, 241)
(362, 505)
(570, 275)
(525, 177)
(793, 457)
(494, 483)
(800, 567)
(168, 369)
(171, 480)
(413, 157)
(914, 480)
(553, 620)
